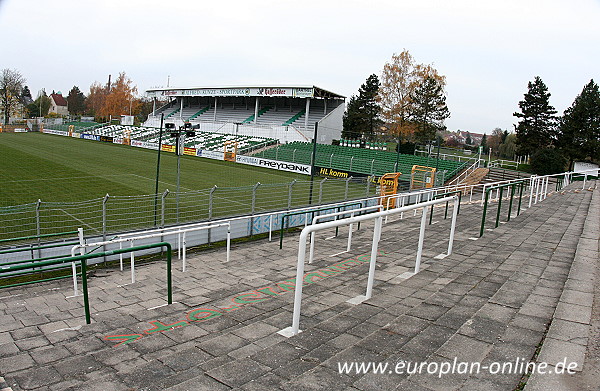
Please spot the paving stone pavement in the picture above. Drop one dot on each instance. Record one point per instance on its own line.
(491, 301)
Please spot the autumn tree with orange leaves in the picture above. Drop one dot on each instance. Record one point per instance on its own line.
(118, 98)
(399, 79)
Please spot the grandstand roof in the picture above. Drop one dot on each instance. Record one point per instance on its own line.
(285, 90)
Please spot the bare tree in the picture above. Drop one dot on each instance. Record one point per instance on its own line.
(11, 90)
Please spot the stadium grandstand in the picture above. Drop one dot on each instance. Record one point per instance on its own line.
(263, 122)
(338, 161)
(286, 113)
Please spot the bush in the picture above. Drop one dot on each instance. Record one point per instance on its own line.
(547, 161)
(406, 148)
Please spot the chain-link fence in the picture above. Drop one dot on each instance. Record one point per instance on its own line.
(112, 214)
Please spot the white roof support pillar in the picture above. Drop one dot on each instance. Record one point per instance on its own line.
(307, 112)
(154, 106)
(215, 112)
(256, 109)
(181, 109)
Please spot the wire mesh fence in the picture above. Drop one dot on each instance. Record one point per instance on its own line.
(112, 214)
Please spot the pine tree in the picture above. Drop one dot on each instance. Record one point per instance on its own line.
(579, 130)
(362, 114)
(429, 109)
(469, 140)
(537, 125)
(76, 101)
(352, 121)
(26, 96)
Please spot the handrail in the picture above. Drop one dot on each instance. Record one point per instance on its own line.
(46, 246)
(345, 212)
(501, 162)
(378, 216)
(301, 212)
(153, 234)
(466, 173)
(83, 261)
(38, 236)
(457, 192)
(521, 185)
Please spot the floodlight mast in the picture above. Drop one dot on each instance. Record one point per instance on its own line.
(185, 130)
(162, 118)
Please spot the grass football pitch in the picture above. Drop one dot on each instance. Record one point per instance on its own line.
(63, 169)
(71, 176)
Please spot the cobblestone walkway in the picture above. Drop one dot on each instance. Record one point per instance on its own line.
(491, 301)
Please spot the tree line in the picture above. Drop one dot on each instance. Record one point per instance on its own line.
(407, 103)
(104, 100)
(556, 142)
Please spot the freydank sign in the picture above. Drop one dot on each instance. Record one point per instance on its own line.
(244, 299)
(274, 164)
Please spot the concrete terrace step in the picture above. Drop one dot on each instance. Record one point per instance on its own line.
(490, 300)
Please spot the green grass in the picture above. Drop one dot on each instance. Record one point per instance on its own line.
(71, 177)
(62, 169)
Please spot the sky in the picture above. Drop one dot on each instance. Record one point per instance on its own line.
(488, 50)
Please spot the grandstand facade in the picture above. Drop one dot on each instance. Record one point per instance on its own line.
(285, 113)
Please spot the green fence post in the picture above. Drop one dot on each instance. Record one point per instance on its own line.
(499, 206)
(84, 287)
(431, 215)
(169, 276)
(485, 204)
(281, 232)
(512, 193)
(520, 196)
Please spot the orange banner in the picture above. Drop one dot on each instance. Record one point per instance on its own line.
(189, 151)
(167, 148)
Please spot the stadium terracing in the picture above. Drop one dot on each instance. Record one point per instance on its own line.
(285, 112)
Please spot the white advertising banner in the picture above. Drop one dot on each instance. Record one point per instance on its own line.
(57, 132)
(297, 92)
(274, 164)
(144, 144)
(209, 154)
(584, 166)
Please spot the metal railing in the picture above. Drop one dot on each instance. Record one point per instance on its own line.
(503, 163)
(378, 217)
(82, 259)
(350, 212)
(462, 176)
(157, 233)
(113, 214)
(311, 212)
(500, 189)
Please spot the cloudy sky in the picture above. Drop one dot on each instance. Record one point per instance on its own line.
(488, 50)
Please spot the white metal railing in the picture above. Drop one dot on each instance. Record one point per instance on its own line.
(378, 217)
(351, 213)
(466, 173)
(447, 156)
(501, 163)
(180, 231)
